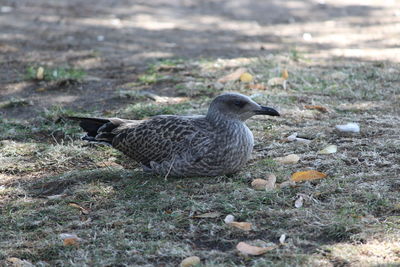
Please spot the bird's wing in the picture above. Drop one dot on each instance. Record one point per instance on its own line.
(163, 138)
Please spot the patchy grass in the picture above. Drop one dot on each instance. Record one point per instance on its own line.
(55, 74)
(350, 218)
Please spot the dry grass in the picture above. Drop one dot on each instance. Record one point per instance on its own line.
(134, 219)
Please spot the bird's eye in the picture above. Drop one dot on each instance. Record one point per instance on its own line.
(239, 104)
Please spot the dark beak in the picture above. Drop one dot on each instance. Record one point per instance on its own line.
(267, 111)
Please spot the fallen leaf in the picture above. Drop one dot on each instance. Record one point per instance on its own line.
(328, 150)
(253, 250)
(259, 184)
(56, 196)
(40, 89)
(234, 76)
(229, 218)
(71, 242)
(16, 262)
(271, 181)
(317, 107)
(289, 159)
(246, 77)
(293, 137)
(190, 261)
(277, 81)
(246, 226)
(70, 239)
(307, 175)
(213, 214)
(282, 239)
(82, 209)
(257, 86)
(349, 127)
(299, 202)
(40, 73)
(285, 74)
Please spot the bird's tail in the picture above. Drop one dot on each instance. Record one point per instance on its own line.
(98, 130)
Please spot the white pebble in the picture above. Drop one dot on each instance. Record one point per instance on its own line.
(349, 127)
(292, 137)
(229, 219)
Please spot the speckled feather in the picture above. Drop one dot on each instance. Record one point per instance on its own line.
(215, 144)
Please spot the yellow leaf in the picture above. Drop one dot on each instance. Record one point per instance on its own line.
(214, 214)
(40, 73)
(232, 76)
(245, 226)
(190, 261)
(317, 107)
(285, 74)
(253, 250)
(246, 77)
(307, 175)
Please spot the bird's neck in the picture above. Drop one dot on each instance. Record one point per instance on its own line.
(222, 121)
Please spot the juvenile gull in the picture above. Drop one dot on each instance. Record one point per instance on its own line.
(215, 144)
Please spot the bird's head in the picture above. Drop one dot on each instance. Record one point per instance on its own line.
(237, 107)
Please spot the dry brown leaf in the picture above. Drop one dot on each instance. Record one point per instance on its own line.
(234, 76)
(317, 107)
(246, 77)
(253, 250)
(259, 184)
(257, 86)
(245, 226)
(285, 74)
(214, 214)
(71, 242)
(289, 159)
(271, 181)
(190, 261)
(82, 209)
(307, 175)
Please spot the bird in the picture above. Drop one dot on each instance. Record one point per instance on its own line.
(218, 143)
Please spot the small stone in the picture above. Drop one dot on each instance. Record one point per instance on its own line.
(289, 159)
(349, 127)
(229, 218)
(259, 184)
(190, 261)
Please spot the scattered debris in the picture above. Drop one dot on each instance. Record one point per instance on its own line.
(234, 76)
(253, 250)
(213, 214)
(293, 137)
(245, 226)
(299, 202)
(70, 239)
(328, 150)
(289, 159)
(246, 77)
(287, 184)
(190, 261)
(317, 107)
(282, 239)
(16, 262)
(229, 218)
(82, 209)
(40, 73)
(259, 184)
(307, 175)
(349, 127)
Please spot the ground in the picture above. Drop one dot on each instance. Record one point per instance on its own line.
(135, 59)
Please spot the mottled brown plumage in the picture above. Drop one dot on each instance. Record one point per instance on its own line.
(215, 144)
